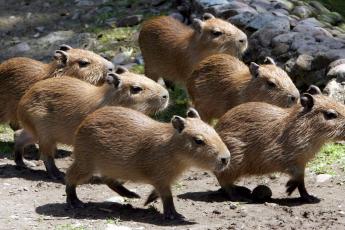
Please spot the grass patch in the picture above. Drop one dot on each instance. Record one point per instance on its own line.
(331, 157)
(139, 69)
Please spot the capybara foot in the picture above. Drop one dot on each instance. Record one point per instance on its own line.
(309, 199)
(173, 215)
(75, 203)
(152, 197)
(24, 164)
(56, 175)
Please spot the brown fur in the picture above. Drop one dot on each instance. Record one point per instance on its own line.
(121, 143)
(53, 108)
(221, 82)
(171, 49)
(264, 138)
(18, 74)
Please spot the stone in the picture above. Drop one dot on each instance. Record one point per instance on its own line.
(336, 62)
(261, 6)
(230, 9)
(323, 178)
(177, 16)
(85, 3)
(286, 38)
(242, 19)
(201, 5)
(56, 36)
(319, 8)
(261, 20)
(261, 194)
(302, 11)
(303, 62)
(283, 4)
(337, 72)
(122, 58)
(280, 49)
(333, 18)
(336, 90)
(131, 20)
(20, 48)
(265, 35)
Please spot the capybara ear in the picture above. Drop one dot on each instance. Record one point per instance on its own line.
(314, 90)
(269, 61)
(207, 16)
(197, 24)
(113, 79)
(161, 82)
(254, 69)
(65, 47)
(178, 123)
(192, 113)
(307, 101)
(61, 57)
(121, 70)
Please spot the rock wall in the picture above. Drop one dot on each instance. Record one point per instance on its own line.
(307, 39)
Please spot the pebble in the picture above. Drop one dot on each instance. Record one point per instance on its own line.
(323, 178)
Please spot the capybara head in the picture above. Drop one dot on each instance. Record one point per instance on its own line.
(201, 141)
(83, 64)
(221, 36)
(272, 84)
(324, 115)
(140, 93)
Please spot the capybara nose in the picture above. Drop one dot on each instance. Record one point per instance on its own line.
(165, 96)
(242, 41)
(225, 160)
(110, 69)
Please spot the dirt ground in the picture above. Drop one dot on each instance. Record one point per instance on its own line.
(29, 200)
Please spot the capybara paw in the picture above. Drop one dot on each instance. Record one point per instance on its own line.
(56, 175)
(310, 199)
(173, 215)
(291, 185)
(75, 203)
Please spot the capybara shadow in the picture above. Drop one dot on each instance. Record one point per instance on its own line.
(107, 210)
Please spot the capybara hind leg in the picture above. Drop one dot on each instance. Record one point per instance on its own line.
(169, 210)
(47, 151)
(152, 197)
(119, 188)
(22, 138)
(75, 175)
(297, 181)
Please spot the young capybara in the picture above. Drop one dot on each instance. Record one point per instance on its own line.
(221, 82)
(51, 111)
(171, 49)
(18, 74)
(120, 143)
(264, 138)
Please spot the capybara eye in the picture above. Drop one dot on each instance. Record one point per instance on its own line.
(83, 63)
(271, 84)
(330, 114)
(136, 89)
(216, 33)
(198, 141)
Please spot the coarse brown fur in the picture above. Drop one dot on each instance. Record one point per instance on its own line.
(171, 49)
(121, 143)
(18, 74)
(51, 111)
(221, 82)
(264, 138)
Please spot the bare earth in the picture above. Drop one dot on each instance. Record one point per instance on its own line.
(29, 200)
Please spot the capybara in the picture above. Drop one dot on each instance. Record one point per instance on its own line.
(51, 111)
(171, 49)
(121, 143)
(265, 138)
(18, 74)
(221, 82)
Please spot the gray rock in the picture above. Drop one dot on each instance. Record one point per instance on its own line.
(319, 8)
(312, 30)
(337, 72)
(336, 89)
(230, 9)
(261, 6)
(204, 4)
(177, 16)
(130, 20)
(56, 36)
(283, 4)
(302, 11)
(265, 35)
(260, 21)
(304, 62)
(286, 38)
(280, 49)
(20, 48)
(332, 18)
(85, 3)
(335, 63)
(323, 178)
(242, 19)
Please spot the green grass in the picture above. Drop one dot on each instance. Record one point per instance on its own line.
(331, 157)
